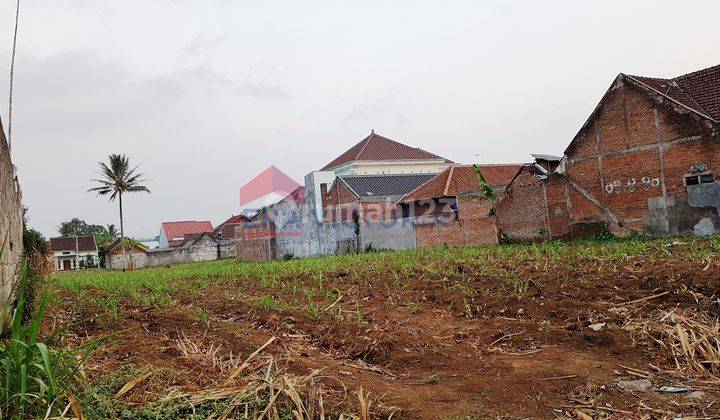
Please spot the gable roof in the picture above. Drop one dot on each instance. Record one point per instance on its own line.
(176, 231)
(697, 92)
(83, 243)
(192, 238)
(227, 228)
(131, 242)
(459, 179)
(384, 185)
(378, 148)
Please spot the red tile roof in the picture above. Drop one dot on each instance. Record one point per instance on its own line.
(460, 179)
(227, 228)
(84, 243)
(376, 147)
(698, 91)
(175, 231)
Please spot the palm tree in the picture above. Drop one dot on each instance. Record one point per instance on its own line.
(118, 179)
(112, 231)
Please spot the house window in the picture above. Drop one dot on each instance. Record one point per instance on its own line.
(706, 177)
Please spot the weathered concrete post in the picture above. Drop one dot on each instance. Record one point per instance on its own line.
(11, 231)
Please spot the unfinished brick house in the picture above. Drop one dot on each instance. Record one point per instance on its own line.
(370, 197)
(534, 206)
(455, 192)
(450, 208)
(645, 161)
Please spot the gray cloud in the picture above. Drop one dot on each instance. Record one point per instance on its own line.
(203, 43)
(261, 91)
(205, 94)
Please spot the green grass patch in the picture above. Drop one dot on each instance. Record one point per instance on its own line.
(322, 277)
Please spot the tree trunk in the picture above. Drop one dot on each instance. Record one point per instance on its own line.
(122, 235)
(122, 231)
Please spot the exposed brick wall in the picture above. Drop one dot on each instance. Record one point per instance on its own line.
(481, 231)
(556, 192)
(534, 209)
(255, 242)
(645, 147)
(521, 212)
(340, 203)
(473, 207)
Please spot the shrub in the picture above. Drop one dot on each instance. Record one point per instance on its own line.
(35, 380)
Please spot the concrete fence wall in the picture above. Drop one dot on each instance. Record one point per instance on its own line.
(312, 239)
(391, 234)
(203, 250)
(11, 231)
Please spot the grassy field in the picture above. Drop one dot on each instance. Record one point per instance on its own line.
(396, 330)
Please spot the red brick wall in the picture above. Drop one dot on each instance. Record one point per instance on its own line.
(521, 212)
(534, 209)
(255, 242)
(340, 204)
(481, 231)
(645, 148)
(473, 207)
(556, 192)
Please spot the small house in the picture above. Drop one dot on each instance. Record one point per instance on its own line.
(126, 254)
(173, 234)
(74, 252)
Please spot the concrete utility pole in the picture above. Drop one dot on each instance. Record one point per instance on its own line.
(12, 75)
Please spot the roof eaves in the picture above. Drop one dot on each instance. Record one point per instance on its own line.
(447, 183)
(404, 197)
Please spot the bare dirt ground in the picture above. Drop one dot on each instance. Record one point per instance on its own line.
(465, 342)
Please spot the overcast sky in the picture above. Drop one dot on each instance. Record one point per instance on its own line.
(205, 94)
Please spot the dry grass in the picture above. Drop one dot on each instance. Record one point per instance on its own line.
(254, 387)
(693, 340)
(207, 354)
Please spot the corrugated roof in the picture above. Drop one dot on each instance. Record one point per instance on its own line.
(384, 185)
(378, 148)
(460, 179)
(83, 243)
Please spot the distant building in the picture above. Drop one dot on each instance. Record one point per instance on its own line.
(371, 197)
(439, 195)
(226, 229)
(647, 159)
(130, 256)
(373, 155)
(74, 252)
(173, 234)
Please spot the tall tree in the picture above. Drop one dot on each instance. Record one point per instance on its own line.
(117, 179)
(112, 231)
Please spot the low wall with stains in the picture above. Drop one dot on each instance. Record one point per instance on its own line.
(11, 230)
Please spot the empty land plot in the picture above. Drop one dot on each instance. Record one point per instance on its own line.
(544, 330)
